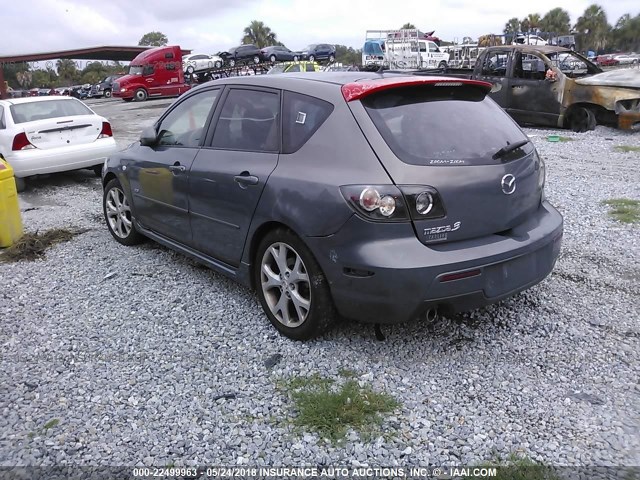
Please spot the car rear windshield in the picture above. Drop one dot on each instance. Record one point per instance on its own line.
(32, 111)
(430, 125)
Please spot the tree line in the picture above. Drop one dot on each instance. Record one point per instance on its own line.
(592, 29)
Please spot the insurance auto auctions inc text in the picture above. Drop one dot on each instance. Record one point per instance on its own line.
(352, 472)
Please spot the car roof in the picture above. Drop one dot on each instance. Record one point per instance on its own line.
(14, 101)
(336, 78)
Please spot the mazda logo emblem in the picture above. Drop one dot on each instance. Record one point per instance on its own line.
(508, 184)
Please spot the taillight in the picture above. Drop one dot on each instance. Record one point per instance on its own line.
(106, 130)
(423, 202)
(376, 202)
(21, 142)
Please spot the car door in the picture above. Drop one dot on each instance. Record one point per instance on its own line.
(229, 173)
(159, 175)
(533, 97)
(494, 69)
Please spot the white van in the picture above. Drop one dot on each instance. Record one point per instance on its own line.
(415, 54)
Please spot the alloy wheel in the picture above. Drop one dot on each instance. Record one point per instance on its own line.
(118, 213)
(285, 284)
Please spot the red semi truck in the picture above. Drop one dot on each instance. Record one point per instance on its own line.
(156, 72)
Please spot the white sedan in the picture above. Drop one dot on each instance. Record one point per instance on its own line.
(40, 135)
(197, 62)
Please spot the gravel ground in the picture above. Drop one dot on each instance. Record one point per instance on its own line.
(133, 350)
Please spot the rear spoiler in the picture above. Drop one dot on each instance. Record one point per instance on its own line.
(360, 89)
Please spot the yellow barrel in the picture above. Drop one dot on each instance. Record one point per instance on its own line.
(10, 221)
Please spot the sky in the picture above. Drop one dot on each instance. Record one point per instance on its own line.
(209, 26)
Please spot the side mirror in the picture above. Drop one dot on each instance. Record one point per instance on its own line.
(148, 137)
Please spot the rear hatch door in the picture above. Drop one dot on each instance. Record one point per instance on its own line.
(483, 172)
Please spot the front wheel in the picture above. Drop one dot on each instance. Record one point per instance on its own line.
(272, 59)
(190, 70)
(442, 66)
(332, 58)
(291, 286)
(217, 64)
(140, 95)
(312, 58)
(296, 58)
(256, 59)
(582, 119)
(117, 214)
(232, 62)
(107, 94)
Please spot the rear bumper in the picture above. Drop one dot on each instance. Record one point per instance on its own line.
(396, 278)
(38, 162)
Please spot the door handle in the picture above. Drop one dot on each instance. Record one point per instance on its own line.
(245, 179)
(177, 168)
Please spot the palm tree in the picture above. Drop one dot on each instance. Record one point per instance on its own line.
(556, 21)
(408, 25)
(67, 70)
(260, 35)
(512, 26)
(593, 23)
(534, 21)
(525, 26)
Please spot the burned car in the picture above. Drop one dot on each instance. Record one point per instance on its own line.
(555, 86)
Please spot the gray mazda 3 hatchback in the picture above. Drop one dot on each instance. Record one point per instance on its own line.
(380, 198)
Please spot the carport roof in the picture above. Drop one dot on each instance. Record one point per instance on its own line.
(115, 53)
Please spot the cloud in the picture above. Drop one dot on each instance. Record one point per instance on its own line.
(212, 25)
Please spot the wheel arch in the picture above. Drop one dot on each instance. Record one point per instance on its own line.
(599, 111)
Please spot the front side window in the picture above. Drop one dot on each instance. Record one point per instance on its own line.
(495, 64)
(249, 121)
(529, 67)
(302, 116)
(184, 125)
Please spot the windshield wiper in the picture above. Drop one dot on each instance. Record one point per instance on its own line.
(510, 147)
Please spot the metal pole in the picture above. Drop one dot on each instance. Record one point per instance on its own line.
(3, 89)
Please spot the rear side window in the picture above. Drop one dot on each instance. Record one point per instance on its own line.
(302, 116)
(248, 121)
(495, 64)
(29, 112)
(442, 125)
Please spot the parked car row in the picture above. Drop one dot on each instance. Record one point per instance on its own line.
(250, 54)
(612, 59)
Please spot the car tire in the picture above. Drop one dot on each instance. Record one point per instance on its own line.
(256, 59)
(232, 62)
(272, 59)
(190, 70)
(107, 94)
(332, 58)
(296, 58)
(97, 170)
(217, 64)
(21, 184)
(297, 301)
(582, 119)
(312, 58)
(140, 95)
(442, 65)
(118, 215)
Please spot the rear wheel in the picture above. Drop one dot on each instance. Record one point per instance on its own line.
(117, 213)
(217, 64)
(232, 62)
(107, 94)
(332, 58)
(140, 95)
(296, 58)
(312, 58)
(443, 65)
(292, 288)
(582, 119)
(272, 58)
(256, 59)
(190, 70)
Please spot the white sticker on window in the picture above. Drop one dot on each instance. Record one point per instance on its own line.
(301, 118)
